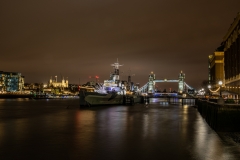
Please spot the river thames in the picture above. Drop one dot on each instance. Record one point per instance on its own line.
(59, 129)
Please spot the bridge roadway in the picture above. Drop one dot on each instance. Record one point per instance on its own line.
(171, 98)
(41, 129)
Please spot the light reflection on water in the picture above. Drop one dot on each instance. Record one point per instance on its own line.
(47, 129)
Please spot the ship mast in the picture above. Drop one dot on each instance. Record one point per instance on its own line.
(116, 71)
(116, 65)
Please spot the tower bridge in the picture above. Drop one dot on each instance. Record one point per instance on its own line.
(149, 87)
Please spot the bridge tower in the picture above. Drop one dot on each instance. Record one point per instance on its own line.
(181, 78)
(151, 83)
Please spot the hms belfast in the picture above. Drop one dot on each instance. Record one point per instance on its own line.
(111, 92)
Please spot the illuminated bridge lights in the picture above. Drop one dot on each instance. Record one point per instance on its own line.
(149, 87)
(165, 94)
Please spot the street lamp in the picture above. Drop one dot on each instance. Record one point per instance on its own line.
(209, 88)
(220, 84)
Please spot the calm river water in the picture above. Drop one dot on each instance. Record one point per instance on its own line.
(59, 129)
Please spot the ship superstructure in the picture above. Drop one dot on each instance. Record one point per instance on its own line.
(114, 84)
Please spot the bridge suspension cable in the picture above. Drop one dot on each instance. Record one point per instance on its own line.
(189, 87)
(143, 88)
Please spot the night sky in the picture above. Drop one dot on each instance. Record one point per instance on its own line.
(82, 38)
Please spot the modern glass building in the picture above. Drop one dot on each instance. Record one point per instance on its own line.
(11, 81)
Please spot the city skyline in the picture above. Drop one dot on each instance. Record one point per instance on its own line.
(76, 39)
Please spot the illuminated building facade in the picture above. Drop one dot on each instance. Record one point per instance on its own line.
(231, 42)
(216, 67)
(181, 78)
(54, 83)
(151, 83)
(11, 81)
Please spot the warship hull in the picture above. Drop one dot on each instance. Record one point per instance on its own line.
(94, 98)
(97, 99)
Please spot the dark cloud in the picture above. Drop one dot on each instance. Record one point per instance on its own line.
(81, 38)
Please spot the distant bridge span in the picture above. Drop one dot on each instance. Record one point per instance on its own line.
(149, 87)
(165, 80)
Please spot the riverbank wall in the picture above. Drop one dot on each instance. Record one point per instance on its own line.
(221, 117)
(6, 96)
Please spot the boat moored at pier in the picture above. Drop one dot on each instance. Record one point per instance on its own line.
(112, 91)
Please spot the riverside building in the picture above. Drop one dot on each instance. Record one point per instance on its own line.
(231, 42)
(11, 82)
(216, 67)
(54, 83)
